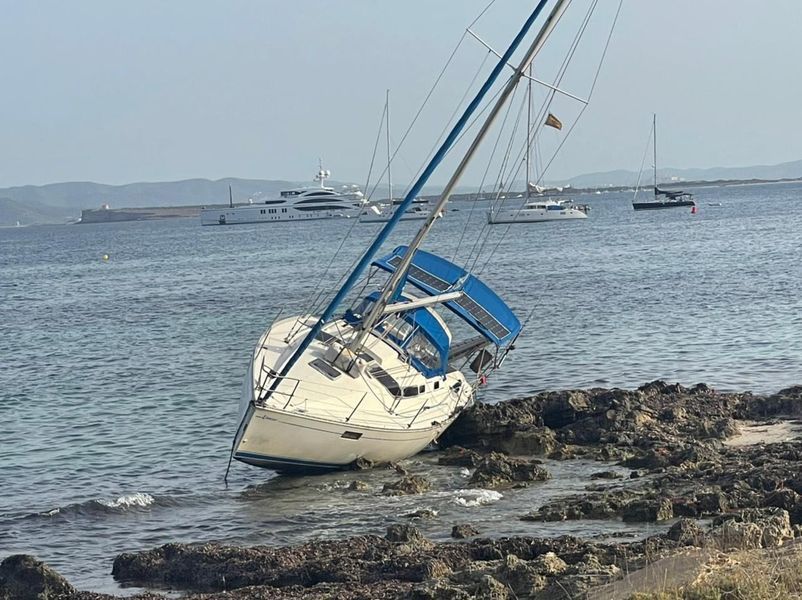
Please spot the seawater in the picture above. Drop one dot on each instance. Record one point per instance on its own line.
(120, 379)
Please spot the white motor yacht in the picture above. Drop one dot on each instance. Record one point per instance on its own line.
(302, 204)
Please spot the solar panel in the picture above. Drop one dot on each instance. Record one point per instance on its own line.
(482, 316)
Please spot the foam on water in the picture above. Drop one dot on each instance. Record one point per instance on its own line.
(133, 500)
(477, 497)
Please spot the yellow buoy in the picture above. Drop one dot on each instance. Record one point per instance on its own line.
(105, 257)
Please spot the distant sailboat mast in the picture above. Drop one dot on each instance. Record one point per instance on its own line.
(389, 156)
(654, 140)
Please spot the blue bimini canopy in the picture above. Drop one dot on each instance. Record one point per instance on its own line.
(479, 306)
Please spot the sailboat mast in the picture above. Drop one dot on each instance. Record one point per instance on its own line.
(394, 282)
(654, 139)
(373, 249)
(389, 176)
(528, 128)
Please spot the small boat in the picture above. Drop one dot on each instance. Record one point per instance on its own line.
(662, 198)
(381, 213)
(301, 204)
(384, 378)
(540, 210)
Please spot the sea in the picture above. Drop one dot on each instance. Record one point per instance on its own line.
(123, 347)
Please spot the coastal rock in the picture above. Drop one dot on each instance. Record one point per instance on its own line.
(496, 470)
(774, 524)
(403, 533)
(686, 532)
(411, 484)
(535, 441)
(549, 564)
(358, 486)
(22, 577)
(521, 577)
(658, 509)
(457, 456)
(733, 535)
(463, 531)
(606, 475)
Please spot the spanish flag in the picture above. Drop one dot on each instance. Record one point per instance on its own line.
(552, 121)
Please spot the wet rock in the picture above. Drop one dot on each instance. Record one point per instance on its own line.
(361, 464)
(711, 503)
(497, 470)
(658, 509)
(463, 531)
(774, 524)
(686, 532)
(606, 475)
(22, 577)
(358, 486)
(536, 441)
(411, 484)
(397, 468)
(457, 456)
(422, 513)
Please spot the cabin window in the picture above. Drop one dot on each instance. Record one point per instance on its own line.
(410, 391)
(283, 210)
(262, 211)
(397, 328)
(437, 385)
(421, 348)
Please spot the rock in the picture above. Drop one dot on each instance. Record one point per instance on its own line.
(497, 469)
(358, 486)
(782, 498)
(658, 509)
(606, 475)
(463, 531)
(412, 484)
(457, 456)
(403, 533)
(361, 464)
(686, 532)
(711, 503)
(535, 441)
(421, 513)
(397, 468)
(549, 564)
(773, 524)
(733, 535)
(524, 580)
(23, 577)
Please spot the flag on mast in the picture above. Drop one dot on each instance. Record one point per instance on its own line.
(552, 121)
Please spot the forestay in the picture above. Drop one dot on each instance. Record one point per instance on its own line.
(479, 306)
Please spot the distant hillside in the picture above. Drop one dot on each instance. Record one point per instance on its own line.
(56, 202)
(788, 170)
(27, 213)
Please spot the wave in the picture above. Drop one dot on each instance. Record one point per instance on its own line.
(121, 504)
(476, 497)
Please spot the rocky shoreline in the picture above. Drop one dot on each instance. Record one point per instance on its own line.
(673, 467)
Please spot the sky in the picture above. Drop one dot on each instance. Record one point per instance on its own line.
(116, 91)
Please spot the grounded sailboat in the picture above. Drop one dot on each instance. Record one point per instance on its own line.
(382, 380)
(662, 198)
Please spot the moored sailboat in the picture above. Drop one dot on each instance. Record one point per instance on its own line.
(662, 198)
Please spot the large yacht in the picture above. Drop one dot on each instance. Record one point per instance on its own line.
(302, 204)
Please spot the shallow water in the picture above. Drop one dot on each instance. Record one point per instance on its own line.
(119, 380)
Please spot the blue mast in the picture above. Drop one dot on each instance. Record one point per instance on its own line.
(447, 144)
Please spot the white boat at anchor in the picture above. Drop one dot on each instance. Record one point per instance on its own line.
(382, 213)
(537, 211)
(301, 204)
(384, 378)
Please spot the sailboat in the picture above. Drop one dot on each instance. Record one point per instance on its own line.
(382, 380)
(662, 198)
(540, 209)
(381, 213)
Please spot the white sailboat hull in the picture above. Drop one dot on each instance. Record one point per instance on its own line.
(535, 215)
(286, 442)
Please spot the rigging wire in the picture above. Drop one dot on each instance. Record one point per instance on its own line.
(642, 162)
